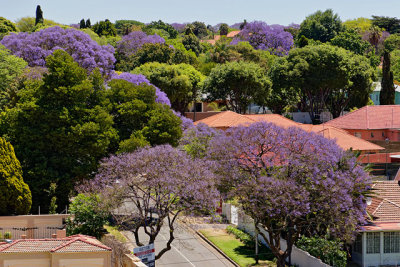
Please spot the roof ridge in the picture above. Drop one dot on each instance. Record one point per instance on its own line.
(378, 206)
(10, 244)
(352, 112)
(94, 244)
(64, 245)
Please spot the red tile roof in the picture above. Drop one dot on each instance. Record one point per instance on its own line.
(232, 34)
(77, 243)
(370, 117)
(346, 141)
(385, 205)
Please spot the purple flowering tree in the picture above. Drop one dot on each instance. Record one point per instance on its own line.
(272, 38)
(180, 27)
(291, 182)
(137, 79)
(35, 47)
(151, 187)
(132, 42)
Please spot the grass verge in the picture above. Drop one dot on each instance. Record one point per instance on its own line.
(117, 234)
(237, 250)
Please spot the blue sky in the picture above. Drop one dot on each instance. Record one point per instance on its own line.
(208, 11)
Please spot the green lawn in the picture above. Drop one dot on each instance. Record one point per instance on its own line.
(236, 250)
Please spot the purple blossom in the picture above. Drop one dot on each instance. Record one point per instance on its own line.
(132, 42)
(272, 38)
(180, 27)
(36, 46)
(161, 181)
(137, 79)
(329, 182)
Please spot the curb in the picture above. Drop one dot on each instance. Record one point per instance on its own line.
(216, 248)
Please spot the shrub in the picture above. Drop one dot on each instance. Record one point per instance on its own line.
(329, 251)
(88, 218)
(247, 239)
(7, 235)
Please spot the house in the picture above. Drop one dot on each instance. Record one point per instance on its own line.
(227, 119)
(372, 123)
(72, 251)
(377, 91)
(217, 37)
(378, 243)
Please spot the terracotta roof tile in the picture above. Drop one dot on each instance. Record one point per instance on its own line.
(385, 206)
(232, 34)
(346, 141)
(78, 243)
(370, 117)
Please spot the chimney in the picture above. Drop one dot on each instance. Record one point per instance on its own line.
(61, 233)
(54, 236)
(23, 236)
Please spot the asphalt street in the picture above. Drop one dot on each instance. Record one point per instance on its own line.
(188, 250)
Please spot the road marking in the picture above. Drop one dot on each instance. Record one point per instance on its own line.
(180, 253)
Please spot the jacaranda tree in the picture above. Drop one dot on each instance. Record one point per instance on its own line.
(157, 184)
(130, 44)
(291, 182)
(36, 46)
(272, 38)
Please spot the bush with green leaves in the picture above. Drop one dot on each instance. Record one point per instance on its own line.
(329, 251)
(246, 238)
(86, 216)
(15, 196)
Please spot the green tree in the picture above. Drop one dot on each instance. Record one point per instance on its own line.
(105, 28)
(10, 68)
(149, 52)
(82, 24)
(391, 25)
(27, 24)
(351, 41)
(324, 76)
(392, 42)
(58, 135)
(133, 108)
(86, 216)
(6, 27)
(88, 24)
(360, 25)
(15, 197)
(39, 15)
(322, 26)
(198, 28)
(182, 82)
(163, 127)
(387, 94)
(239, 83)
(395, 64)
(223, 29)
(191, 42)
(124, 27)
(172, 33)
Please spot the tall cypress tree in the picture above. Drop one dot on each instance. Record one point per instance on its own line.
(88, 24)
(39, 15)
(82, 24)
(387, 94)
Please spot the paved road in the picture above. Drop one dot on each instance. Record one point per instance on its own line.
(188, 250)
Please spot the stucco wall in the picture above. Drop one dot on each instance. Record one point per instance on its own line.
(23, 225)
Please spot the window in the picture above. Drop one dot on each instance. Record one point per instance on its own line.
(391, 242)
(358, 244)
(373, 243)
(372, 135)
(357, 134)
